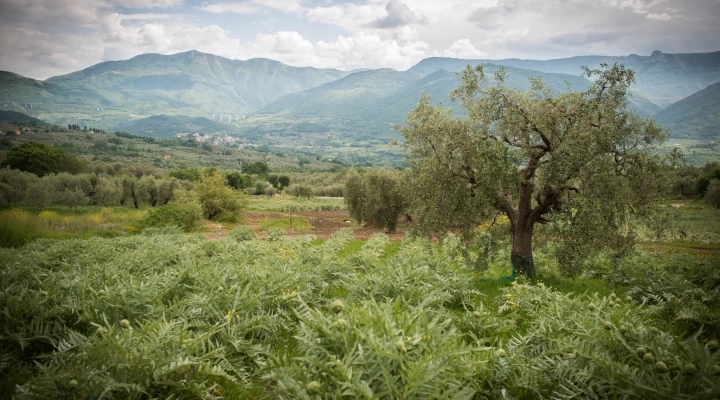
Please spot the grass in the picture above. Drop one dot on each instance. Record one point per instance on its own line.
(352, 247)
(286, 203)
(19, 226)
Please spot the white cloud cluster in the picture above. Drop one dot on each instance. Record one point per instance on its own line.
(345, 52)
(125, 37)
(463, 48)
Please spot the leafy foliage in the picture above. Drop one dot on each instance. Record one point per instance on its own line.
(173, 315)
(216, 198)
(577, 159)
(185, 216)
(41, 159)
(712, 194)
(375, 196)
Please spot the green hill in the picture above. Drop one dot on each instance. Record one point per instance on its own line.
(694, 117)
(373, 101)
(192, 84)
(205, 82)
(12, 116)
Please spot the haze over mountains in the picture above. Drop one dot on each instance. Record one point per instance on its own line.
(194, 91)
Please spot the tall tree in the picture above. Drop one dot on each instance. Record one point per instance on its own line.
(578, 159)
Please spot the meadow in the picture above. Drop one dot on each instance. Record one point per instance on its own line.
(98, 309)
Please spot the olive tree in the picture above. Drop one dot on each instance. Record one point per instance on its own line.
(218, 201)
(580, 160)
(375, 196)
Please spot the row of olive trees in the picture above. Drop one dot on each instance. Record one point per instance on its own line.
(18, 187)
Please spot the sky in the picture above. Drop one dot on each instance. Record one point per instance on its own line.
(44, 38)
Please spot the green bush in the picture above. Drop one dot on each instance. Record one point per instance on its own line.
(184, 216)
(241, 234)
(712, 194)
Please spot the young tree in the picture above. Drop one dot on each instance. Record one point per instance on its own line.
(578, 159)
(273, 180)
(284, 181)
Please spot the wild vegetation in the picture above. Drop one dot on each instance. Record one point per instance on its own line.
(176, 268)
(167, 314)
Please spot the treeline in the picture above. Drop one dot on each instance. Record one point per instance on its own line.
(126, 186)
(37, 175)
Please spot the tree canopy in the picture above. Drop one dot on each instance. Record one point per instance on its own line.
(580, 160)
(42, 159)
(374, 196)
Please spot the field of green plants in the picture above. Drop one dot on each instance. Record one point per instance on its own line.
(163, 314)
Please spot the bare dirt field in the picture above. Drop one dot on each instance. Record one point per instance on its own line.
(323, 224)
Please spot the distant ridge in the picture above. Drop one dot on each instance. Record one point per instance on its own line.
(694, 117)
(12, 116)
(662, 78)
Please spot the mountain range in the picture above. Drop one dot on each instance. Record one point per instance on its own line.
(162, 95)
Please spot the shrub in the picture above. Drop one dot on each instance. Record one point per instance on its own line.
(17, 228)
(712, 194)
(241, 234)
(217, 199)
(373, 350)
(183, 216)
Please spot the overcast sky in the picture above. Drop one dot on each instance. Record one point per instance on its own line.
(43, 38)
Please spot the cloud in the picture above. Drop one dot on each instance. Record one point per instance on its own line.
(282, 43)
(286, 6)
(659, 17)
(580, 39)
(125, 37)
(398, 14)
(39, 38)
(237, 8)
(253, 6)
(147, 3)
(636, 6)
(349, 16)
(362, 50)
(488, 18)
(463, 48)
(50, 13)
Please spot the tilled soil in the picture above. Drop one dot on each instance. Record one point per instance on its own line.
(324, 224)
